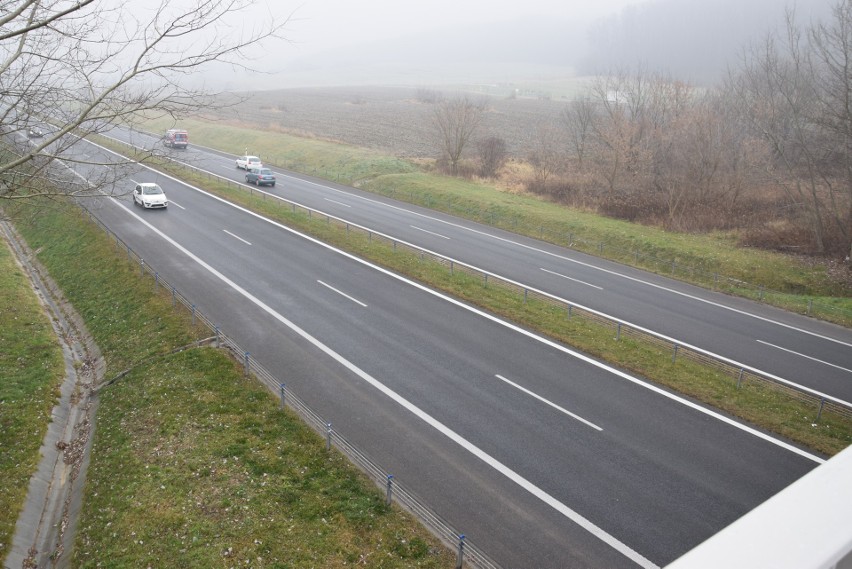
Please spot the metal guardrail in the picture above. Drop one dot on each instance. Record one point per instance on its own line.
(741, 373)
(467, 553)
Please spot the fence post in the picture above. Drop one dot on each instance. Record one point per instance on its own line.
(283, 396)
(460, 559)
(389, 495)
(600, 247)
(328, 436)
(674, 353)
(246, 365)
(760, 293)
(715, 281)
(673, 267)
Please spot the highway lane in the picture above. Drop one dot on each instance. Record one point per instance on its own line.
(796, 348)
(658, 478)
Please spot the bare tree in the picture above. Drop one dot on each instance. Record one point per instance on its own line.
(578, 118)
(76, 68)
(545, 157)
(492, 155)
(456, 121)
(831, 60)
(776, 90)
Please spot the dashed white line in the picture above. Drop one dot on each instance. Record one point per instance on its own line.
(343, 294)
(572, 279)
(236, 237)
(172, 202)
(337, 202)
(429, 232)
(804, 356)
(552, 404)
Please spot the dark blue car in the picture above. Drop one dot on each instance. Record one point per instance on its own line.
(260, 177)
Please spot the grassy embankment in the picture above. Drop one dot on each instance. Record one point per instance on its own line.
(193, 465)
(693, 258)
(767, 408)
(31, 369)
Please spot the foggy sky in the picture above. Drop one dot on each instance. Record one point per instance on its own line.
(402, 41)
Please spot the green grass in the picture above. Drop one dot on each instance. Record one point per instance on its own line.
(705, 260)
(31, 370)
(193, 465)
(767, 408)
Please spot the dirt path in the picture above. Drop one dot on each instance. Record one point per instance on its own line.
(45, 529)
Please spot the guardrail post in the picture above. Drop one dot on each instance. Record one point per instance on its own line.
(389, 495)
(600, 247)
(740, 378)
(525, 296)
(673, 267)
(715, 280)
(569, 311)
(174, 300)
(283, 396)
(821, 405)
(810, 306)
(192, 308)
(618, 332)
(452, 268)
(142, 267)
(674, 353)
(760, 293)
(460, 559)
(156, 279)
(328, 436)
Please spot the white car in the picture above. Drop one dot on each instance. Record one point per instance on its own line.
(246, 162)
(149, 195)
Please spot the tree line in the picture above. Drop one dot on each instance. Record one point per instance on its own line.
(767, 151)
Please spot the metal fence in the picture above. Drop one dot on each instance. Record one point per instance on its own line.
(740, 373)
(467, 554)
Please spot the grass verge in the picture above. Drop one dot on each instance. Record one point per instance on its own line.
(31, 370)
(762, 406)
(193, 465)
(710, 260)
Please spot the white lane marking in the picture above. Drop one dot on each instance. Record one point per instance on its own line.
(429, 232)
(804, 356)
(564, 258)
(509, 325)
(504, 323)
(552, 404)
(572, 279)
(236, 237)
(172, 202)
(337, 202)
(343, 294)
(416, 411)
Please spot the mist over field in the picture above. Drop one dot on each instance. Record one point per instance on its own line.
(477, 42)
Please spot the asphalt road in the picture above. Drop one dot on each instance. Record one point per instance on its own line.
(542, 457)
(795, 348)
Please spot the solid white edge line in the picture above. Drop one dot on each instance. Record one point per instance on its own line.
(683, 344)
(547, 402)
(803, 356)
(519, 330)
(343, 294)
(608, 271)
(419, 413)
(509, 325)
